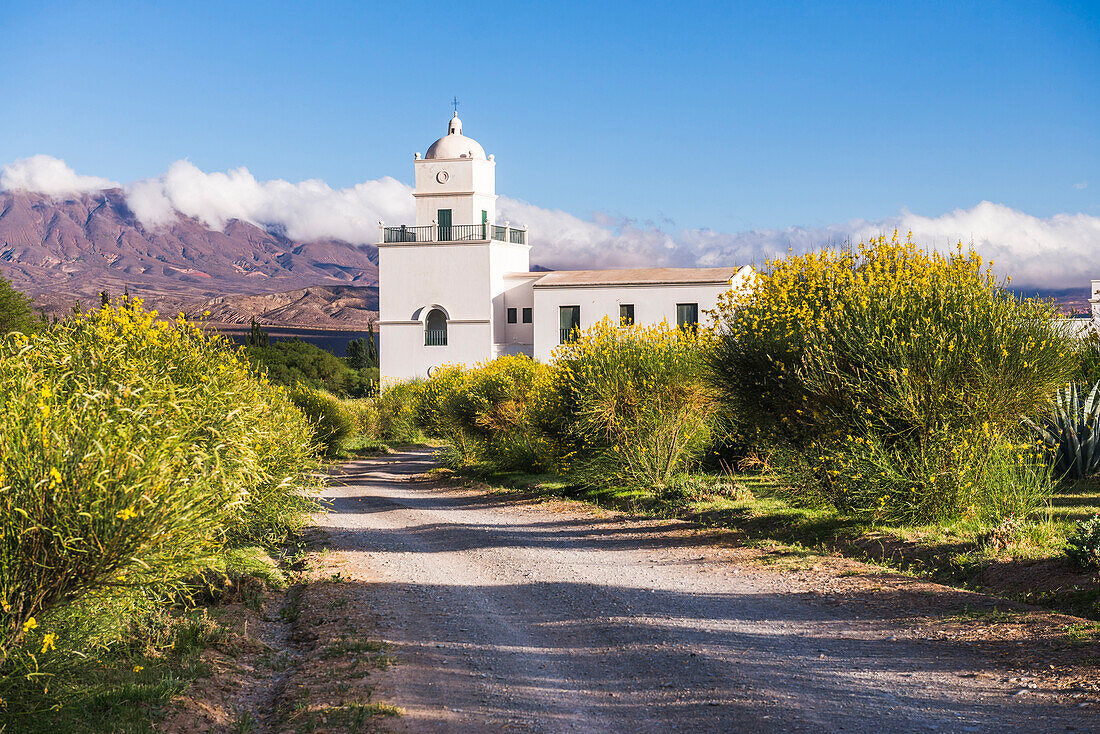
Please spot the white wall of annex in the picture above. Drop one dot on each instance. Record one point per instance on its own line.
(518, 295)
(505, 259)
(652, 305)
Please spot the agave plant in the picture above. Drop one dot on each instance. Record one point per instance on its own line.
(1072, 432)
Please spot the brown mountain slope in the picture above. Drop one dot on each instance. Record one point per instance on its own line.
(65, 250)
(341, 306)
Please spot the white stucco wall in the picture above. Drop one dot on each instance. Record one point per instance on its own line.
(404, 356)
(469, 190)
(652, 305)
(507, 260)
(1095, 300)
(414, 278)
(466, 281)
(519, 337)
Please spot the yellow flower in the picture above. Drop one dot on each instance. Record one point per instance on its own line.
(138, 668)
(126, 514)
(48, 643)
(29, 625)
(55, 477)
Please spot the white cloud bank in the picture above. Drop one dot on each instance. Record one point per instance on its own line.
(48, 175)
(1052, 252)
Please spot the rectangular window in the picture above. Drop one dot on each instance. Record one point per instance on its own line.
(626, 314)
(687, 316)
(511, 316)
(526, 315)
(569, 323)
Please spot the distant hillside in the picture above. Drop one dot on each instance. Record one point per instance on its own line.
(333, 306)
(62, 251)
(1074, 301)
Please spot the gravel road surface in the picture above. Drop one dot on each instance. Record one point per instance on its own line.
(509, 615)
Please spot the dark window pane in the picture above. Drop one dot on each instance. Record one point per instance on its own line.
(527, 316)
(435, 329)
(511, 316)
(687, 315)
(569, 321)
(626, 314)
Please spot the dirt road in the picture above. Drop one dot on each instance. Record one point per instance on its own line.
(506, 615)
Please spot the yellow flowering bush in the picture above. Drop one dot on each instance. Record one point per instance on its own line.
(332, 422)
(484, 411)
(629, 403)
(132, 449)
(891, 374)
(620, 404)
(396, 413)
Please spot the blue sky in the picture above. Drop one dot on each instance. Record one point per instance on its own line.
(729, 116)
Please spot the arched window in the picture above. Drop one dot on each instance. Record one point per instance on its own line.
(435, 329)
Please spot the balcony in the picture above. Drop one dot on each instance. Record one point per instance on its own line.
(456, 233)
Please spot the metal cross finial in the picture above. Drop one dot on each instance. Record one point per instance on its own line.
(454, 103)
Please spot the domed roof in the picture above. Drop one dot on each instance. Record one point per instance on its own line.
(455, 145)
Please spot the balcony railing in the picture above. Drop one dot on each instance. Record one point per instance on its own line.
(456, 233)
(435, 337)
(568, 336)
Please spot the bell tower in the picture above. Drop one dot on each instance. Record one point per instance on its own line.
(455, 186)
(442, 281)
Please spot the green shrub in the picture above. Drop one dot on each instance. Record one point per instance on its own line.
(17, 312)
(130, 450)
(483, 411)
(896, 374)
(363, 413)
(397, 413)
(1083, 547)
(332, 422)
(1088, 359)
(293, 362)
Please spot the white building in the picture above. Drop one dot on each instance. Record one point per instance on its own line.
(457, 288)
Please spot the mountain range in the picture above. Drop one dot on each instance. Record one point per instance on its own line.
(65, 251)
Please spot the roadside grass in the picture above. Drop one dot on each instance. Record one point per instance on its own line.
(363, 445)
(112, 672)
(1023, 559)
(120, 688)
(351, 717)
(360, 446)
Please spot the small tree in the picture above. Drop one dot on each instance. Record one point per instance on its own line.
(372, 346)
(16, 311)
(257, 337)
(363, 353)
(357, 354)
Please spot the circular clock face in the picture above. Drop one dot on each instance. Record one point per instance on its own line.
(442, 177)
